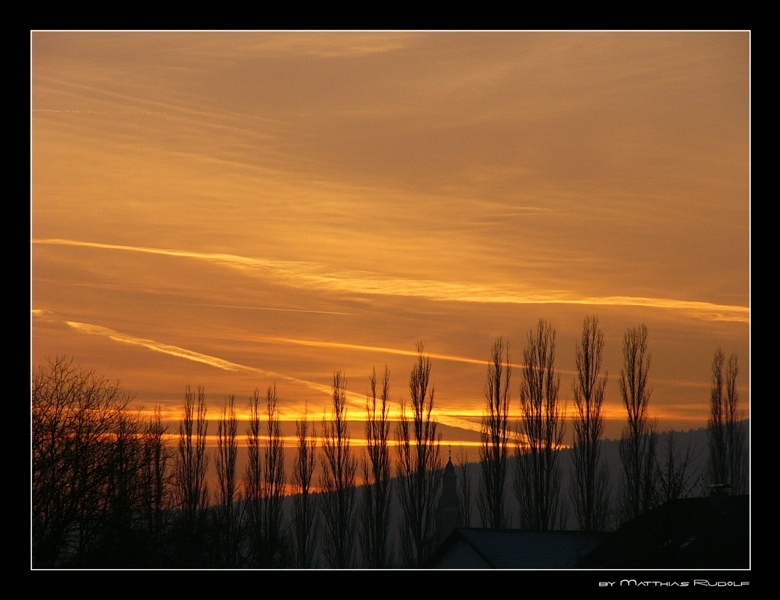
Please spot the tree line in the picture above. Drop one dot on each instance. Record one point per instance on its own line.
(108, 491)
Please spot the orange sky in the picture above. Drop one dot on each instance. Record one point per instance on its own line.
(237, 209)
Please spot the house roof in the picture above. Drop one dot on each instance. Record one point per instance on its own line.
(478, 548)
(690, 533)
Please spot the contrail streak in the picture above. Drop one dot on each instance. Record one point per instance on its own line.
(357, 400)
(382, 349)
(212, 361)
(298, 273)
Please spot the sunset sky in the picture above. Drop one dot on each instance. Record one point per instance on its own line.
(241, 209)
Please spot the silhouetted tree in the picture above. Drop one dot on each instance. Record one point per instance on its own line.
(494, 451)
(273, 485)
(675, 473)
(464, 487)
(589, 492)
(728, 456)
(738, 449)
(419, 465)
(253, 484)
(539, 434)
(339, 468)
(638, 441)
(227, 528)
(377, 552)
(75, 418)
(120, 541)
(716, 426)
(156, 484)
(190, 486)
(304, 513)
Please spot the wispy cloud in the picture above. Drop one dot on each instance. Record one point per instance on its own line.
(276, 309)
(318, 276)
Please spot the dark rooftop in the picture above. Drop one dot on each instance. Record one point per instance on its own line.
(691, 533)
(468, 547)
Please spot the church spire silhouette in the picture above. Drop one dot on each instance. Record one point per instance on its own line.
(448, 515)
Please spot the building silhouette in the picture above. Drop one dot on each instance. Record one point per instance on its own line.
(448, 514)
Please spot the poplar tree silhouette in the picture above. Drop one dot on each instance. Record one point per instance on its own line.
(590, 479)
(191, 489)
(156, 482)
(253, 485)
(272, 486)
(227, 526)
(304, 510)
(540, 434)
(419, 465)
(464, 487)
(494, 449)
(339, 468)
(727, 440)
(377, 552)
(638, 441)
